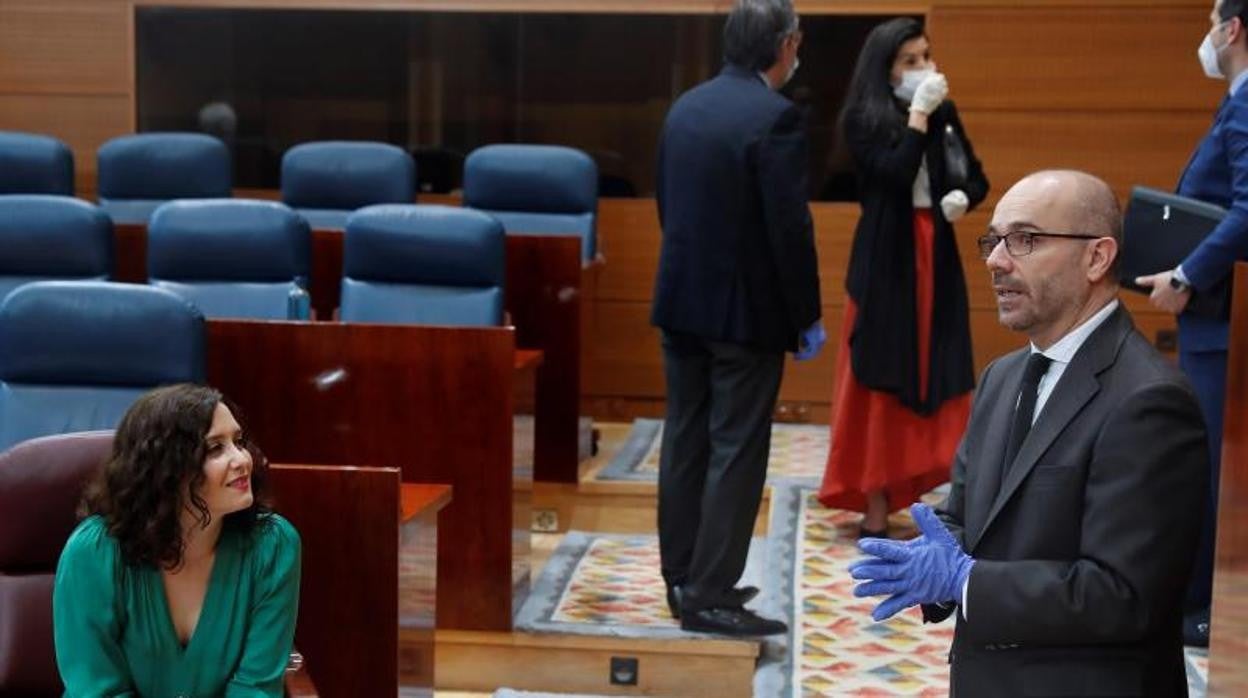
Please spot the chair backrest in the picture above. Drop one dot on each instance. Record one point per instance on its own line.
(31, 163)
(139, 172)
(234, 258)
(41, 483)
(423, 265)
(74, 355)
(327, 180)
(532, 189)
(44, 237)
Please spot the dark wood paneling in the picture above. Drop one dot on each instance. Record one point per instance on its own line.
(435, 402)
(130, 253)
(348, 520)
(544, 300)
(1096, 58)
(1228, 646)
(84, 122)
(78, 47)
(1124, 149)
(628, 230)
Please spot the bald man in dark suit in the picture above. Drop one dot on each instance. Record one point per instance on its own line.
(1078, 489)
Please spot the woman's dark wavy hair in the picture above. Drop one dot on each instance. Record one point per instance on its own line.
(870, 102)
(157, 461)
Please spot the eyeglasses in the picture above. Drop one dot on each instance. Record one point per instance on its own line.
(1019, 243)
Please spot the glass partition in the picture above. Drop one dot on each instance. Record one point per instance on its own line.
(443, 83)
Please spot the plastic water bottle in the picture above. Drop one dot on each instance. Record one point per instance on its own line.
(298, 304)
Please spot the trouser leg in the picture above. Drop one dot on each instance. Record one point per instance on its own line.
(744, 384)
(1207, 372)
(684, 451)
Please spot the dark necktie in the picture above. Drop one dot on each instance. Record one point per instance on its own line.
(1037, 365)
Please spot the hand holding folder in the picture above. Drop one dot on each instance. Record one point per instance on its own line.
(1159, 230)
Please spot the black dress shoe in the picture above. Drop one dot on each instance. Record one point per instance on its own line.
(1196, 628)
(738, 622)
(736, 597)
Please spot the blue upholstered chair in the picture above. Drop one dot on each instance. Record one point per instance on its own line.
(45, 237)
(140, 172)
(34, 164)
(326, 180)
(232, 258)
(424, 265)
(536, 189)
(75, 354)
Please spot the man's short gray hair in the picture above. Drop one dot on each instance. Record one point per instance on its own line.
(754, 30)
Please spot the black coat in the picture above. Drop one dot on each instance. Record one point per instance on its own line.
(881, 276)
(737, 262)
(1083, 550)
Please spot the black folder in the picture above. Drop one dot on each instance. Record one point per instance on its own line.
(1159, 230)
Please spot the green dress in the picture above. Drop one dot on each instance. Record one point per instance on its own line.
(114, 635)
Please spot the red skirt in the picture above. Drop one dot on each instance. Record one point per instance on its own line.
(878, 443)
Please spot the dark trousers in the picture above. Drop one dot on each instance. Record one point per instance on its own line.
(1207, 372)
(713, 461)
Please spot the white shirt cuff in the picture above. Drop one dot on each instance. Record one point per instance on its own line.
(1178, 274)
(965, 585)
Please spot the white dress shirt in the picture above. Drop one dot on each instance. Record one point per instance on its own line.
(1061, 353)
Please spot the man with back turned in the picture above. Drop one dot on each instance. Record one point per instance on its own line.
(737, 287)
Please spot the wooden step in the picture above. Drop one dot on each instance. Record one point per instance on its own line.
(609, 507)
(697, 666)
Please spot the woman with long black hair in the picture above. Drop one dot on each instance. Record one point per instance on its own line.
(904, 371)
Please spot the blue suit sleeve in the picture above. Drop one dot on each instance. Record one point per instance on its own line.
(1213, 259)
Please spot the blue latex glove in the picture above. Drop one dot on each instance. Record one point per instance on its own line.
(810, 341)
(929, 569)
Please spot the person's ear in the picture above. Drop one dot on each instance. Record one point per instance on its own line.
(1102, 253)
(1234, 31)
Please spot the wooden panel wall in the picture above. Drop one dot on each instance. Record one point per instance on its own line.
(66, 70)
(1112, 86)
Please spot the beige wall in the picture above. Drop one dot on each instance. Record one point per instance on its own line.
(1111, 86)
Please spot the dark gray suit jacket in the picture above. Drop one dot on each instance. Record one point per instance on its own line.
(1083, 553)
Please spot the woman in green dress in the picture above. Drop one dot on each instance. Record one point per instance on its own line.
(180, 582)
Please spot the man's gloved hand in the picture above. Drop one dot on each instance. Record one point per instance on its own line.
(810, 341)
(930, 93)
(954, 205)
(931, 569)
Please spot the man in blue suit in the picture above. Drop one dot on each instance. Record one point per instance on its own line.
(1218, 174)
(737, 287)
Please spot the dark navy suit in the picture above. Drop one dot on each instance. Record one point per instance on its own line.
(1218, 174)
(737, 283)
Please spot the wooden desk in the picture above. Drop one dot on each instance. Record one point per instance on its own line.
(1228, 645)
(439, 403)
(548, 295)
(348, 594)
(418, 574)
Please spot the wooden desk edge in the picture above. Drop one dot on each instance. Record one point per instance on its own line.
(420, 499)
(528, 358)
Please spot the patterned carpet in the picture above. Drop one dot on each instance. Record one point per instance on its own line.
(798, 451)
(602, 584)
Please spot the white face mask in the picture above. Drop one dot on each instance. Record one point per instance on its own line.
(1208, 55)
(910, 80)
